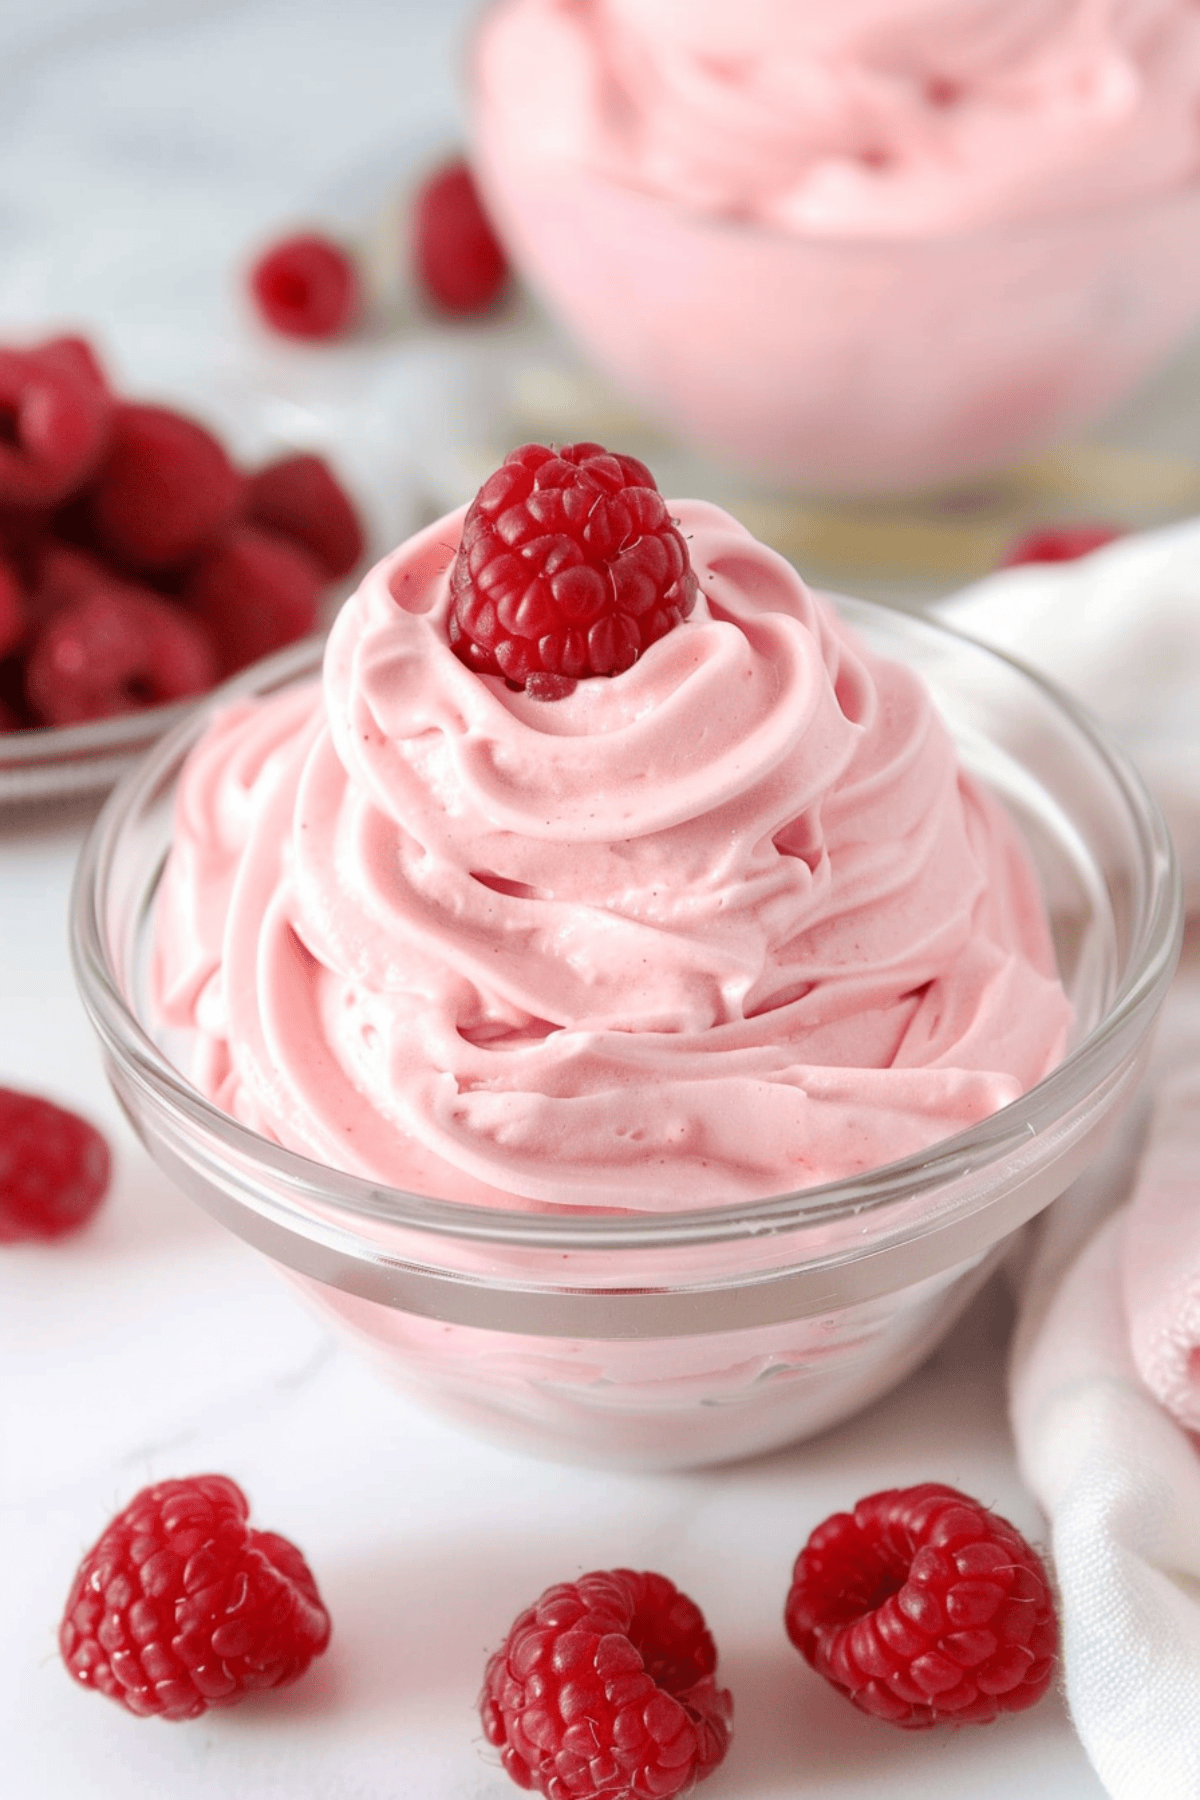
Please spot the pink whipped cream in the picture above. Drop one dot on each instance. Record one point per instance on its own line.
(866, 117)
(732, 923)
(862, 246)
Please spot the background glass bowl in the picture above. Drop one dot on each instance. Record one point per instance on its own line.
(713, 1334)
(849, 365)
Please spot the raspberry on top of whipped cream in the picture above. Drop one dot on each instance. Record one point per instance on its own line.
(568, 566)
(729, 923)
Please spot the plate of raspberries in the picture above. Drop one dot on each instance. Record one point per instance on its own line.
(140, 566)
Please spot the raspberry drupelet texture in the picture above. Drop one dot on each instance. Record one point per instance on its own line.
(925, 1608)
(54, 1169)
(180, 1606)
(569, 566)
(605, 1690)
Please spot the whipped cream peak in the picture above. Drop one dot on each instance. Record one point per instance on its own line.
(709, 713)
(727, 924)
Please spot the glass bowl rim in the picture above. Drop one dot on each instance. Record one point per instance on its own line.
(351, 1199)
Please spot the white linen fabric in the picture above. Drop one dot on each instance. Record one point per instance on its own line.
(1119, 629)
(1104, 1380)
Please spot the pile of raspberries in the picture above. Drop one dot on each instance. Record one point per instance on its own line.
(138, 564)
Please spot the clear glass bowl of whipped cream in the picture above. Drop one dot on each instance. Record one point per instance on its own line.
(863, 249)
(669, 1340)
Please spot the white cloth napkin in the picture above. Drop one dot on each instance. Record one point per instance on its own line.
(1105, 1367)
(1121, 630)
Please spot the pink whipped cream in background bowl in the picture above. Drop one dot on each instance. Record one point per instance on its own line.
(606, 1260)
(863, 248)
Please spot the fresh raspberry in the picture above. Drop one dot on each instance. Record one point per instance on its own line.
(166, 488)
(23, 529)
(12, 610)
(457, 257)
(924, 1608)
(568, 566)
(180, 1606)
(76, 355)
(55, 415)
(255, 592)
(62, 573)
(300, 498)
(606, 1687)
(14, 708)
(307, 287)
(115, 649)
(1059, 543)
(54, 1169)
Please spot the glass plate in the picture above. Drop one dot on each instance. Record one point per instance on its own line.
(53, 762)
(70, 761)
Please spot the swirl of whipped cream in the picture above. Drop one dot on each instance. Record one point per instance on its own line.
(869, 117)
(729, 924)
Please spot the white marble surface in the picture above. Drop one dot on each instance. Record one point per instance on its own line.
(145, 146)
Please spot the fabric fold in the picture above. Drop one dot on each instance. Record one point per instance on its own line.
(1120, 1482)
(1159, 1251)
(1104, 1378)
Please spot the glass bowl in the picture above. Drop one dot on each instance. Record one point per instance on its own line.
(676, 1341)
(849, 365)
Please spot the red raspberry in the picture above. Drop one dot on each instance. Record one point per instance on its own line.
(22, 532)
(1059, 543)
(115, 649)
(606, 1687)
(77, 355)
(306, 287)
(166, 489)
(55, 414)
(54, 1169)
(924, 1608)
(63, 573)
(14, 709)
(568, 566)
(180, 1606)
(299, 497)
(457, 257)
(255, 592)
(12, 610)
